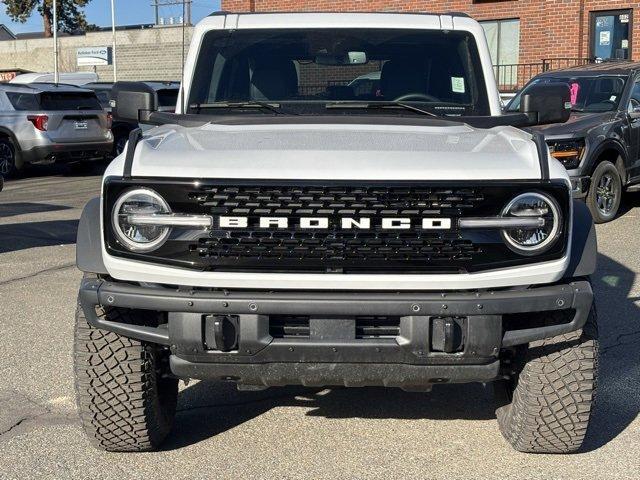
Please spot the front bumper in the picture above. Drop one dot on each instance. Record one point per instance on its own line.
(66, 152)
(332, 353)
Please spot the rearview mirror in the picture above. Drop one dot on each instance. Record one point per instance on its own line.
(133, 102)
(349, 58)
(548, 103)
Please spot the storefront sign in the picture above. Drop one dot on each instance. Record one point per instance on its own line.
(93, 56)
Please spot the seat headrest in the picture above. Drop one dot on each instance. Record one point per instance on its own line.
(274, 80)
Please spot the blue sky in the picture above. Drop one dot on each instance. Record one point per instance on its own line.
(127, 12)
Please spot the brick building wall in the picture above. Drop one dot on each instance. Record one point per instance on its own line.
(548, 28)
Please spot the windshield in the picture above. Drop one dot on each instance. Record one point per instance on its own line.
(309, 70)
(588, 94)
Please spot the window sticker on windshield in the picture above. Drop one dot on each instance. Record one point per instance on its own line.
(612, 98)
(457, 84)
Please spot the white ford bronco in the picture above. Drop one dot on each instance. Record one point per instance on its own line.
(337, 201)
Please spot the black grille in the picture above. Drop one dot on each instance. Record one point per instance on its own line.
(317, 201)
(377, 327)
(334, 249)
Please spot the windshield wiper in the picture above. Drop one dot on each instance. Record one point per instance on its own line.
(577, 109)
(387, 104)
(274, 107)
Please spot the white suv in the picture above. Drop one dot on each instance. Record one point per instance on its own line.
(284, 228)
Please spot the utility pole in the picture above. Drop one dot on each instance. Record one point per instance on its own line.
(186, 8)
(56, 74)
(113, 35)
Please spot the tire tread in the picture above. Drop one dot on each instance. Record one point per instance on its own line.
(117, 388)
(554, 395)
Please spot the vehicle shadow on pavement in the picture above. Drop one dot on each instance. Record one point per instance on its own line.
(26, 208)
(209, 408)
(630, 201)
(65, 170)
(617, 396)
(20, 236)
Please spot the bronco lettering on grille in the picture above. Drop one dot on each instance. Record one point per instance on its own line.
(323, 223)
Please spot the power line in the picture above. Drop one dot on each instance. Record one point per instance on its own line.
(186, 8)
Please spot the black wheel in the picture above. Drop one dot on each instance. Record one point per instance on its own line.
(605, 193)
(8, 165)
(546, 406)
(125, 402)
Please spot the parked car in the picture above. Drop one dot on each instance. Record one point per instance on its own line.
(268, 235)
(44, 123)
(167, 97)
(367, 85)
(68, 78)
(600, 144)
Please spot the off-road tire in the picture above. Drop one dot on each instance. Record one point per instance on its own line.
(609, 169)
(546, 406)
(124, 402)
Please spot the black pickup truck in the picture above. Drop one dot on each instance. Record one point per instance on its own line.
(600, 144)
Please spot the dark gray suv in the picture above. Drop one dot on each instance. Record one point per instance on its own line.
(45, 123)
(600, 144)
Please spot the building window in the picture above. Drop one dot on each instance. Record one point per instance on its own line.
(503, 37)
(611, 34)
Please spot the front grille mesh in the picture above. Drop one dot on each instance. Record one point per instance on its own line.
(334, 247)
(310, 201)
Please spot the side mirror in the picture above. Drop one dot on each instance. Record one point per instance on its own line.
(133, 102)
(549, 103)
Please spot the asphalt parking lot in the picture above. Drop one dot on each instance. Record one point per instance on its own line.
(289, 432)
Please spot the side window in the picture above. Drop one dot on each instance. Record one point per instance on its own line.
(634, 102)
(23, 101)
(103, 97)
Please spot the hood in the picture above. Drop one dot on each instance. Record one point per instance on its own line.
(578, 124)
(337, 151)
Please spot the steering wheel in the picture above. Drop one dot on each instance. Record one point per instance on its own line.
(416, 96)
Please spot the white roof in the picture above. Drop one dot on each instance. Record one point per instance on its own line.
(75, 78)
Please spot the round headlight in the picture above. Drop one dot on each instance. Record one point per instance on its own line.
(139, 238)
(538, 239)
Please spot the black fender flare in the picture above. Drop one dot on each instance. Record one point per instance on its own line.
(584, 243)
(609, 144)
(88, 242)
